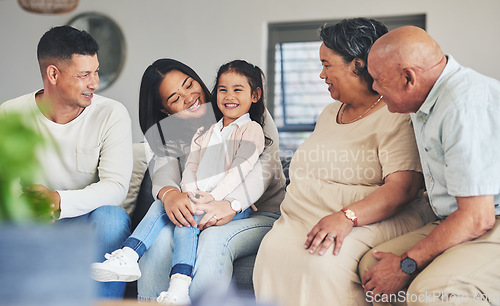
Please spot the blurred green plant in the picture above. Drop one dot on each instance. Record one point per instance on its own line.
(18, 168)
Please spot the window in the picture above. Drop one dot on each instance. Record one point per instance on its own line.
(296, 93)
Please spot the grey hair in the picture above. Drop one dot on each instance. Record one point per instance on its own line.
(353, 38)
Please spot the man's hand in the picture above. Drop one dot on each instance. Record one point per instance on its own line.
(43, 193)
(386, 276)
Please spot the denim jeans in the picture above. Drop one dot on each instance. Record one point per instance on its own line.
(148, 229)
(186, 245)
(218, 247)
(112, 227)
(185, 238)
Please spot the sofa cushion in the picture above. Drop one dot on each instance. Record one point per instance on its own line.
(142, 155)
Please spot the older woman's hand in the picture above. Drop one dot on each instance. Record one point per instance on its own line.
(331, 229)
(178, 208)
(216, 213)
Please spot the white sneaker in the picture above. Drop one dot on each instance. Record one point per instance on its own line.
(120, 266)
(169, 298)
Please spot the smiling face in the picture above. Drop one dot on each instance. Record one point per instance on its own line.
(77, 79)
(235, 96)
(338, 75)
(182, 95)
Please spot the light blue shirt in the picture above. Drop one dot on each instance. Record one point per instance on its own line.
(457, 129)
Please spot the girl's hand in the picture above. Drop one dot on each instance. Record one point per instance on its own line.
(178, 207)
(200, 197)
(331, 229)
(217, 213)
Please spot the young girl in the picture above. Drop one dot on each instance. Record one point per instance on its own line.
(219, 160)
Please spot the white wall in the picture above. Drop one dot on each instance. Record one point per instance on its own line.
(206, 33)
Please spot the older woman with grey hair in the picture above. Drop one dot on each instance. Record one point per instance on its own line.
(355, 183)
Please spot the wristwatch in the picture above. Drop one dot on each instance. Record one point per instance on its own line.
(351, 215)
(408, 265)
(236, 206)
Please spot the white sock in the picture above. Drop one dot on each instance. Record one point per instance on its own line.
(130, 253)
(179, 285)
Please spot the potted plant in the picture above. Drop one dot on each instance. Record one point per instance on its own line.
(41, 263)
(18, 165)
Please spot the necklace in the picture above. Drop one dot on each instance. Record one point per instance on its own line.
(360, 116)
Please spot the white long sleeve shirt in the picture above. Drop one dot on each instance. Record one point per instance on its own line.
(88, 160)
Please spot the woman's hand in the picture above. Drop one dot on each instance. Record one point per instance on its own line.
(331, 229)
(217, 213)
(178, 207)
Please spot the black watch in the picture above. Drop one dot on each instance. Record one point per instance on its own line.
(408, 265)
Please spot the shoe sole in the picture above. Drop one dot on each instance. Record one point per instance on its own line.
(103, 275)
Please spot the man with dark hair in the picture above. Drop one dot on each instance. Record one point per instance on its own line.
(87, 172)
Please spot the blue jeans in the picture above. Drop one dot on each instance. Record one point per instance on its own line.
(186, 245)
(112, 227)
(218, 247)
(148, 229)
(185, 238)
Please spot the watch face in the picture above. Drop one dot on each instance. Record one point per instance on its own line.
(408, 265)
(350, 214)
(236, 205)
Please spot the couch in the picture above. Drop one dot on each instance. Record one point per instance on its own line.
(139, 199)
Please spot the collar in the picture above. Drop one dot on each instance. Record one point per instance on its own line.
(451, 67)
(242, 120)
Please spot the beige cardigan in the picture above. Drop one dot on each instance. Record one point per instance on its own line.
(267, 194)
(242, 150)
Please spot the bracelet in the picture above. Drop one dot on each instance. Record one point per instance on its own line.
(168, 190)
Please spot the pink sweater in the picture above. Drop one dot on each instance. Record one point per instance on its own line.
(243, 148)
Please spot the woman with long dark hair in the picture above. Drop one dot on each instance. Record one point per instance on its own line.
(173, 106)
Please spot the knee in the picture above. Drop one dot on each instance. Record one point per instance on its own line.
(110, 219)
(418, 288)
(421, 286)
(367, 262)
(212, 244)
(213, 237)
(182, 232)
(157, 207)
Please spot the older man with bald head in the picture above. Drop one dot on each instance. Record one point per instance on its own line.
(455, 118)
